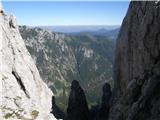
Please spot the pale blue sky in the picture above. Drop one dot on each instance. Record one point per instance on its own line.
(68, 13)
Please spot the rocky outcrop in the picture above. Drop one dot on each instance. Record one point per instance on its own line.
(77, 104)
(106, 100)
(24, 94)
(137, 64)
(101, 112)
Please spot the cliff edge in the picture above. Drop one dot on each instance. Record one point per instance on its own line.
(24, 94)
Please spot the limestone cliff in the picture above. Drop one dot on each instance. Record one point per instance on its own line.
(24, 94)
(137, 64)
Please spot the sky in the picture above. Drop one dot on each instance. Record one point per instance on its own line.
(50, 13)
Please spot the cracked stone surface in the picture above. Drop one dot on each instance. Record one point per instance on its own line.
(24, 94)
(138, 44)
(137, 64)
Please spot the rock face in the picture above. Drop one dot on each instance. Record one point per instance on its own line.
(24, 94)
(77, 105)
(138, 44)
(137, 64)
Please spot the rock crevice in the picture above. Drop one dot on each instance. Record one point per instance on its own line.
(18, 78)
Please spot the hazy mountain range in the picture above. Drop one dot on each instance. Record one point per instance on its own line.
(80, 28)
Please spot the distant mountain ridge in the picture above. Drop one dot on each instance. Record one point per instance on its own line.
(79, 28)
(113, 33)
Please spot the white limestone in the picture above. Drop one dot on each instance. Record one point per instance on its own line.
(24, 95)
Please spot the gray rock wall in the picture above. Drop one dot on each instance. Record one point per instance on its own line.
(138, 43)
(137, 64)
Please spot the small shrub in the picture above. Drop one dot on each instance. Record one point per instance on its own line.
(8, 115)
(34, 114)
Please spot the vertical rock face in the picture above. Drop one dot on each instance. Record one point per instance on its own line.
(138, 44)
(137, 64)
(24, 94)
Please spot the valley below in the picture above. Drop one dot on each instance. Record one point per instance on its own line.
(62, 58)
(102, 74)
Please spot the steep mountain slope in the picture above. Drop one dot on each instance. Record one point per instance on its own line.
(24, 94)
(94, 56)
(137, 64)
(62, 58)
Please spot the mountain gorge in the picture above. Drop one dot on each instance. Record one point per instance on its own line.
(73, 65)
(62, 58)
